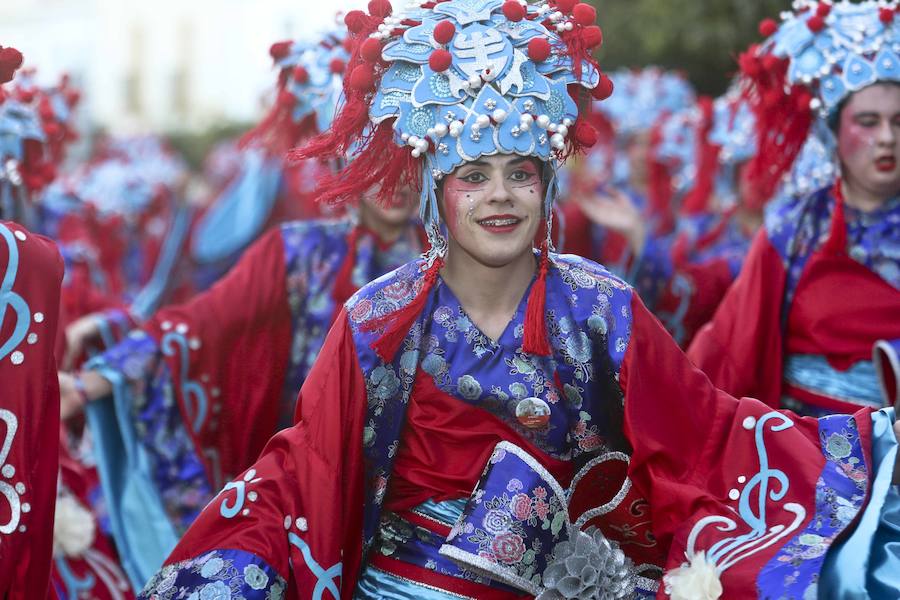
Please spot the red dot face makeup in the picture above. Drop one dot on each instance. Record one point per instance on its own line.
(493, 206)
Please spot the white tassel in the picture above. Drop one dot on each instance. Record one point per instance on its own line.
(73, 527)
(696, 579)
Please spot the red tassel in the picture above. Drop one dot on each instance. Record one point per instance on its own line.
(343, 284)
(535, 338)
(697, 199)
(401, 321)
(837, 240)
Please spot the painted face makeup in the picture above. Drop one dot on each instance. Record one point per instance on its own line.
(869, 140)
(492, 207)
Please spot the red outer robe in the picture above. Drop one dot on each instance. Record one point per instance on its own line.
(31, 271)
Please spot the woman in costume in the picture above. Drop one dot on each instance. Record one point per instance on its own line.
(31, 271)
(822, 280)
(488, 366)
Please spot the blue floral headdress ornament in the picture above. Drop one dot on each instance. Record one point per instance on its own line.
(310, 80)
(441, 83)
(818, 55)
(643, 96)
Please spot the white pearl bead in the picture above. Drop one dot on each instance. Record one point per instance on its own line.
(526, 119)
(569, 26)
(422, 146)
(567, 122)
(556, 16)
(557, 141)
(551, 127)
(543, 121)
(499, 115)
(560, 27)
(474, 82)
(483, 121)
(440, 130)
(562, 130)
(404, 136)
(415, 153)
(456, 128)
(412, 140)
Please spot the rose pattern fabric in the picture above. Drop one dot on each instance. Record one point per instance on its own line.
(217, 575)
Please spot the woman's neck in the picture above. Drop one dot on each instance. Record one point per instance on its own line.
(489, 295)
(860, 198)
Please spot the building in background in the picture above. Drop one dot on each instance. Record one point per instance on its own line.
(162, 65)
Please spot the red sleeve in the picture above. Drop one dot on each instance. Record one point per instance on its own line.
(691, 296)
(741, 348)
(312, 472)
(696, 450)
(31, 272)
(234, 340)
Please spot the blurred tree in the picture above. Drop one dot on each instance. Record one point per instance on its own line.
(196, 146)
(700, 37)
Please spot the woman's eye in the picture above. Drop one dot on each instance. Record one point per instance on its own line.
(867, 122)
(521, 175)
(474, 178)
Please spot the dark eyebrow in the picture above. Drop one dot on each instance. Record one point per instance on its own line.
(477, 163)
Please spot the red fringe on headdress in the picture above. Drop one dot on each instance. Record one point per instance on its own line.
(697, 199)
(400, 321)
(278, 132)
(783, 119)
(381, 162)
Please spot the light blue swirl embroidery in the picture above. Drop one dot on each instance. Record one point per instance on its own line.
(195, 401)
(239, 488)
(325, 577)
(731, 550)
(9, 298)
(74, 586)
(682, 288)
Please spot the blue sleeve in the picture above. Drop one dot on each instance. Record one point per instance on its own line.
(214, 575)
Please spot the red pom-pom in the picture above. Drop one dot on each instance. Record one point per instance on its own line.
(513, 11)
(823, 9)
(770, 62)
(566, 6)
(362, 79)
(767, 27)
(440, 60)
(886, 15)
(348, 45)
(772, 98)
(370, 50)
(592, 36)
(287, 99)
(337, 65)
(604, 88)
(584, 14)
(444, 32)
(585, 134)
(538, 49)
(802, 100)
(380, 8)
(10, 58)
(300, 74)
(279, 50)
(355, 20)
(816, 23)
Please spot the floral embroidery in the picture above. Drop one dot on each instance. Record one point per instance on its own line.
(216, 575)
(840, 492)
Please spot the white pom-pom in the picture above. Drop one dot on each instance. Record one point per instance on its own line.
(73, 527)
(694, 580)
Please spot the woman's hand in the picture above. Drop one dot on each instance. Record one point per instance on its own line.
(78, 388)
(78, 335)
(615, 211)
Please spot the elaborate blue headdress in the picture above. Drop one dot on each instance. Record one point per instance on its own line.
(811, 62)
(310, 81)
(643, 96)
(445, 82)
